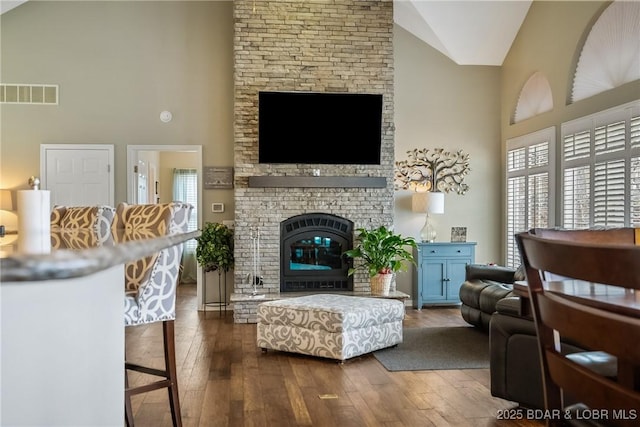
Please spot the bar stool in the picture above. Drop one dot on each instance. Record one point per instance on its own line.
(81, 226)
(150, 290)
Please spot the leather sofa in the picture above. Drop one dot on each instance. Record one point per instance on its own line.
(514, 356)
(483, 287)
(488, 303)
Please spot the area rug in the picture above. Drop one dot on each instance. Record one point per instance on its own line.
(459, 347)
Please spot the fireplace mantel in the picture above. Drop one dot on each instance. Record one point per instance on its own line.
(318, 181)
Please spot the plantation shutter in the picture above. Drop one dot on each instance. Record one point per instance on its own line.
(608, 194)
(634, 171)
(516, 197)
(577, 197)
(529, 187)
(601, 169)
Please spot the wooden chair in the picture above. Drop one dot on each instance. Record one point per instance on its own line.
(150, 290)
(589, 324)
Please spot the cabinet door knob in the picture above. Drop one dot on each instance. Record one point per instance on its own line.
(459, 251)
(433, 251)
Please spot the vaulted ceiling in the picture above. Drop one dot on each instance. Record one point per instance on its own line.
(470, 32)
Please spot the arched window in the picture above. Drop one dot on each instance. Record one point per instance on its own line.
(535, 98)
(610, 56)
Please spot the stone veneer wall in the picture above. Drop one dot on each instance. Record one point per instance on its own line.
(310, 45)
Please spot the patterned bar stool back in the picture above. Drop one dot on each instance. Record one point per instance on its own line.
(151, 282)
(81, 227)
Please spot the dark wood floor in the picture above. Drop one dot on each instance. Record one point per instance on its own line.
(225, 380)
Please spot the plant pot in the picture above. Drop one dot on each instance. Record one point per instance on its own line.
(381, 283)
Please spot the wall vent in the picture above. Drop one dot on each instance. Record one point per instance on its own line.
(28, 94)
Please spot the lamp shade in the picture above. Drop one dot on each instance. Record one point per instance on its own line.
(435, 202)
(430, 202)
(419, 202)
(6, 200)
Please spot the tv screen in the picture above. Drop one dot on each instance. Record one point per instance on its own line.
(325, 128)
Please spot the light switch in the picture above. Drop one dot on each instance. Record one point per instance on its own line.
(217, 207)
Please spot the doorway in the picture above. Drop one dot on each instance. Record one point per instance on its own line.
(146, 177)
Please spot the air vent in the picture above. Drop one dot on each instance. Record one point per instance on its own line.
(28, 94)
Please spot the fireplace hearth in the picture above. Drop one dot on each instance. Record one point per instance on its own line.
(311, 253)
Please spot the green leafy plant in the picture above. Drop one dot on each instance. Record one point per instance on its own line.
(215, 247)
(381, 250)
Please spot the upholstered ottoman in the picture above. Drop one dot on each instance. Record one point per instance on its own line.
(328, 325)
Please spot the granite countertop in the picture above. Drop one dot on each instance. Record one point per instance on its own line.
(70, 263)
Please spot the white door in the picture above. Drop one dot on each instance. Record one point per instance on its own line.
(141, 176)
(78, 174)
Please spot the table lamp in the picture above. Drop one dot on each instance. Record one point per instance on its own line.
(429, 202)
(6, 204)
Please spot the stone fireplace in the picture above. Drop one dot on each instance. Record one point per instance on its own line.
(295, 45)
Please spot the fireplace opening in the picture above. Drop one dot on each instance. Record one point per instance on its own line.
(311, 253)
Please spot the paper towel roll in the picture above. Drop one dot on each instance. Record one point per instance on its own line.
(34, 242)
(34, 221)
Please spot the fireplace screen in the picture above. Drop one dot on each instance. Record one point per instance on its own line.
(311, 253)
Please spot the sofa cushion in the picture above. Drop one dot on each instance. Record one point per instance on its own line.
(510, 305)
(490, 296)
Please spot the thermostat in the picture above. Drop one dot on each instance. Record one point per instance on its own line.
(217, 207)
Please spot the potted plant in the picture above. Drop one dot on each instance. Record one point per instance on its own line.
(215, 247)
(382, 253)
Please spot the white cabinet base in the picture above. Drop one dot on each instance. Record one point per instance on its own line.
(62, 355)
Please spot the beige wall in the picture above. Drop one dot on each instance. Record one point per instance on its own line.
(550, 41)
(119, 64)
(443, 105)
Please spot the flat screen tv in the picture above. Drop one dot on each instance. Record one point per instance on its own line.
(324, 128)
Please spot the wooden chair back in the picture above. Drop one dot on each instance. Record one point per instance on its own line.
(621, 235)
(589, 327)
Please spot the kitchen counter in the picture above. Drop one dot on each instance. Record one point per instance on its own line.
(62, 327)
(64, 263)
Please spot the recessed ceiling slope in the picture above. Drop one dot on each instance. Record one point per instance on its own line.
(469, 32)
(7, 5)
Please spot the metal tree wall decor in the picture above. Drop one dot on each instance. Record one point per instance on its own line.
(433, 170)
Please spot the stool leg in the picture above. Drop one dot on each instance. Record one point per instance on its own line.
(172, 375)
(128, 411)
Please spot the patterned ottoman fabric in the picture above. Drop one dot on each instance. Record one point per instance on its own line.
(328, 325)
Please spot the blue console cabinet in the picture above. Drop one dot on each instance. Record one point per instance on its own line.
(440, 271)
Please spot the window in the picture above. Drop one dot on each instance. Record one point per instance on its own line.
(530, 195)
(185, 189)
(601, 169)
